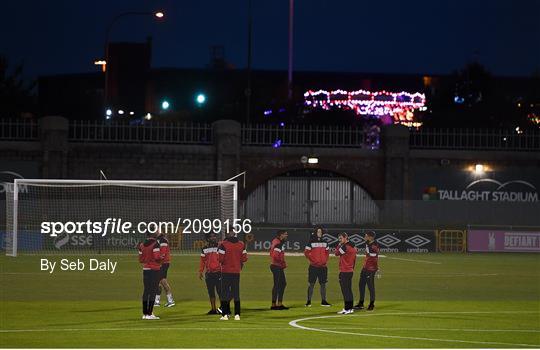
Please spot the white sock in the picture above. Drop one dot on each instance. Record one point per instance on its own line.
(158, 297)
(170, 298)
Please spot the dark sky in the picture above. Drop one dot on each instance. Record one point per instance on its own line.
(415, 36)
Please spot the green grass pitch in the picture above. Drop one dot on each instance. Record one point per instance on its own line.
(432, 300)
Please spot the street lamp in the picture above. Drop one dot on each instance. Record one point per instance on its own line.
(200, 99)
(165, 105)
(158, 14)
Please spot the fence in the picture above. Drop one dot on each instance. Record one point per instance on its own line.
(475, 139)
(156, 132)
(306, 135)
(279, 136)
(18, 129)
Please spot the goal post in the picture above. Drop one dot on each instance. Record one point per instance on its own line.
(112, 216)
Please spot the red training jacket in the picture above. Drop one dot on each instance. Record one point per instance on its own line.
(149, 254)
(347, 257)
(232, 255)
(210, 258)
(277, 253)
(371, 262)
(164, 249)
(317, 252)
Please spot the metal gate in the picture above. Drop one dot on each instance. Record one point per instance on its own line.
(451, 241)
(311, 200)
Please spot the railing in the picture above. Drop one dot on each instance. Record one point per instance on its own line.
(18, 129)
(307, 135)
(475, 139)
(157, 132)
(278, 136)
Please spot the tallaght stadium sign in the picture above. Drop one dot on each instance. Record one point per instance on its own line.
(499, 193)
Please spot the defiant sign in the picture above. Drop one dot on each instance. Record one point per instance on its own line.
(503, 241)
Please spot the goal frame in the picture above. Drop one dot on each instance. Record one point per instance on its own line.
(18, 182)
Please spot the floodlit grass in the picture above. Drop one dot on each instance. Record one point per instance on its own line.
(432, 300)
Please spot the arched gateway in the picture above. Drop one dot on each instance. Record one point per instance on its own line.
(311, 197)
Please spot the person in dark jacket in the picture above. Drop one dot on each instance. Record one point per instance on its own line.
(278, 266)
(317, 252)
(210, 269)
(370, 268)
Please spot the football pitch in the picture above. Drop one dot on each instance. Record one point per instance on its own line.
(423, 300)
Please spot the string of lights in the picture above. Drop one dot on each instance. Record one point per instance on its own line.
(400, 106)
(366, 102)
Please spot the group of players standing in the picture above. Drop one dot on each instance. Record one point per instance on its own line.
(317, 251)
(221, 264)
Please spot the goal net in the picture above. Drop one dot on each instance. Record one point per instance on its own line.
(94, 216)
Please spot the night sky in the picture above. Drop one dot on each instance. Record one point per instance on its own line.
(437, 37)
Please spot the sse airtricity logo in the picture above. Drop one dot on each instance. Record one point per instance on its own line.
(61, 241)
(73, 240)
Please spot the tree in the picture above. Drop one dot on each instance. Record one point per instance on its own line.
(472, 97)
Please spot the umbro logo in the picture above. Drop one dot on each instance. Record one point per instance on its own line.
(417, 241)
(357, 240)
(388, 240)
(329, 239)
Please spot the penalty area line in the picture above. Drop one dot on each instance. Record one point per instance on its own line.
(295, 324)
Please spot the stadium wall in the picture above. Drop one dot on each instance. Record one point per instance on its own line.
(412, 187)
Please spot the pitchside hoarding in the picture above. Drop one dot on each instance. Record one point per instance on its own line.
(390, 241)
(503, 241)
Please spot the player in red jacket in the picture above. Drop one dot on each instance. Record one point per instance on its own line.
(232, 256)
(367, 276)
(150, 257)
(210, 263)
(347, 259)
(277, 266)
(317, 252)
(165, 250)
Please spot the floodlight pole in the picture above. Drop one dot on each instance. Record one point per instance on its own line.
(291, 30)
(248, 88)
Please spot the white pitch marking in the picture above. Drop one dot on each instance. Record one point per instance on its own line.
(440, 329)
(137, 329)
(415, 260)
(295, 324)
(255, 328)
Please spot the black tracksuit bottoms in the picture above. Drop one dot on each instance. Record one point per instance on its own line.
(230, 289)
(345, 281)
(280, 282)
(151, 284)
